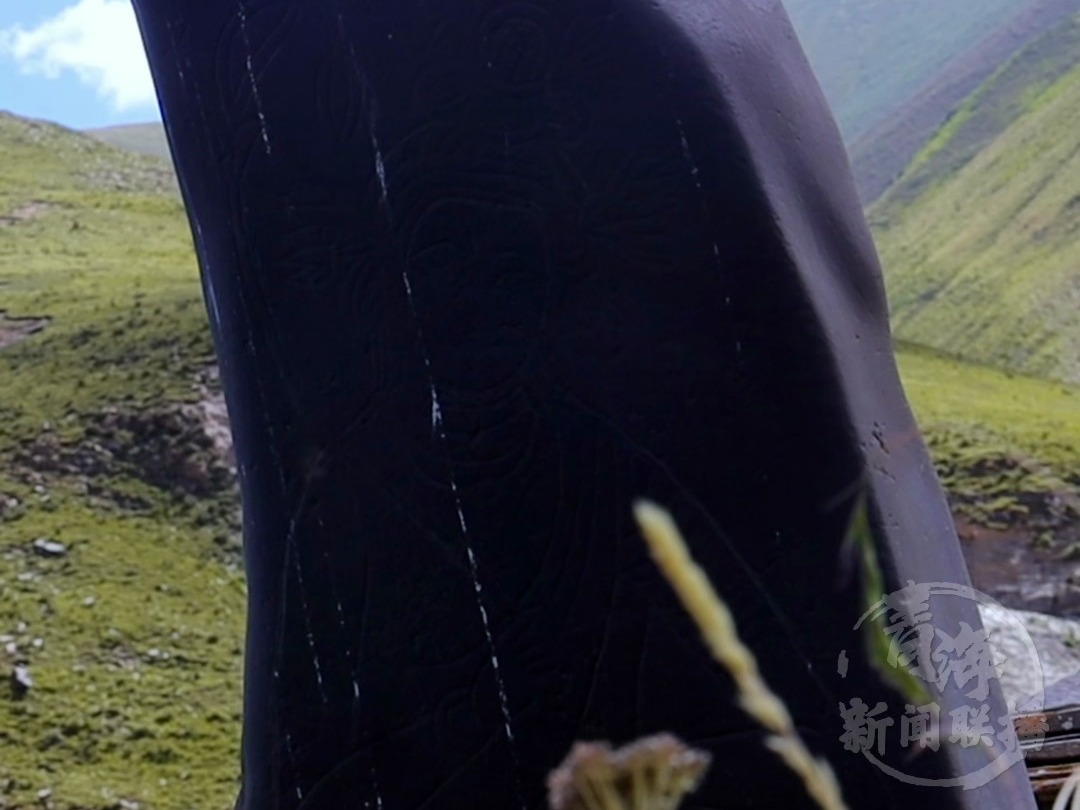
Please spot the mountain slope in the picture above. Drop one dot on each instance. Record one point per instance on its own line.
(980, 235)
(872, 55)
(880, 154)
(146, 139)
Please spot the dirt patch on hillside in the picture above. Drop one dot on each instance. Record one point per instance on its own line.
(26, 212)
(13, 330)
(165, 447)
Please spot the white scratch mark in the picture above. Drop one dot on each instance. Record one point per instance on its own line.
(380, 162)
(436, 411)
(375, 784)
(339, 608)
(465, 531)
(318, 667)
(439, 430)
(292, 762)
(695, 174)
(694, 171)
(504, 702)
(474, 570)
(290, 754)
(380, 169)
(263, 130)
(172, 39)
(290, 549)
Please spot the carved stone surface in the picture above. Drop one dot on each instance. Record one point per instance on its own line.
(482, 273)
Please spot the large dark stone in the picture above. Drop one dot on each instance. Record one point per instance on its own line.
(482, 273)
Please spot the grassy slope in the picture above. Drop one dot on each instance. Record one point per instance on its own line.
(1006, 446)
(872, 55)
(137, 670)
(138, 673)
(979, 238)
(1011, 92)
(146, 139)
(881, 154)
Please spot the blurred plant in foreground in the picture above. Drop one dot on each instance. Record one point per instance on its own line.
(718, 629)
(657, 772)
(654, 773)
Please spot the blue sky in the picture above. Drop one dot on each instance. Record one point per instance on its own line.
(77, 62)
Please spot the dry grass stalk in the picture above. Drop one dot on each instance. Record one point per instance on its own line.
(654, 773)
(717, 626)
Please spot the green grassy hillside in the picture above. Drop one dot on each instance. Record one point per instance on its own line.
(1005, 446)
(119, 586)
(872, 55)
(980, 236)
(130, 628)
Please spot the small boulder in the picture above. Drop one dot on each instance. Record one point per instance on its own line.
(45, 547)
(21, 681)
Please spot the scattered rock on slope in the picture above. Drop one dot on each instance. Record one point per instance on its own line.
(12, 330)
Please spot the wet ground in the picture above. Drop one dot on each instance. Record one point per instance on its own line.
(1018, 570)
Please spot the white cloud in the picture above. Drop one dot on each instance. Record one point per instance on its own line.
(97, 40)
